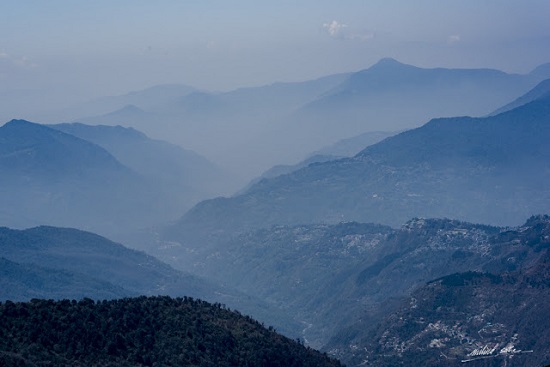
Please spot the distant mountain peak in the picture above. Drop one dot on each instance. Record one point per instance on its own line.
(129, 111)
(16, 122)
(385, 61)
(131, 108)
(388, 70)
(389, 64)
(20, 126)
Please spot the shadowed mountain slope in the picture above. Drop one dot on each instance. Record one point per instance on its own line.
(96, 259)
(22, 282)
(49, 177)
(111, 180)
(183, 173)
(35, 149)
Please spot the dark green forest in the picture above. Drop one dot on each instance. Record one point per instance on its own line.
(143, 331)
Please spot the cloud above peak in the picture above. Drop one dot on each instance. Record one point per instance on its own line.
(453, 39)
(334, 28)
(338, 30)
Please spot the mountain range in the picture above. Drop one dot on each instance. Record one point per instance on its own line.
(249, 130)
(487, 170)
(367, 100)
(324, 249)
(345, 284)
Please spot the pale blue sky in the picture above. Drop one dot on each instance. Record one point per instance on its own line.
(93, 48)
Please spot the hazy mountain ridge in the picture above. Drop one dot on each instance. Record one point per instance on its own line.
(488, 170)
(249, 130)
(394, 96)
(50, 177)
(57, 175)
(35, 149)
(284, 169)
(352, 146)
(487, 141)
(140, 100)
(541, 70)
(89, 255)
(218, 124)
(21, 282)
(341, 149)
(541, 90)
(183, 173)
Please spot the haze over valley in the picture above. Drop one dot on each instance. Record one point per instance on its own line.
(265, 184)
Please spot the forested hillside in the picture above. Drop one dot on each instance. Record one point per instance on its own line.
(142, 331)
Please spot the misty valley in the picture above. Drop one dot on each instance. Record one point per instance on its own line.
(397, 215)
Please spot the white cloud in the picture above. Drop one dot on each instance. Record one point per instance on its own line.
(17, 61)
(25, 62)
(339, 30)
(334, 28)
(453, 39)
